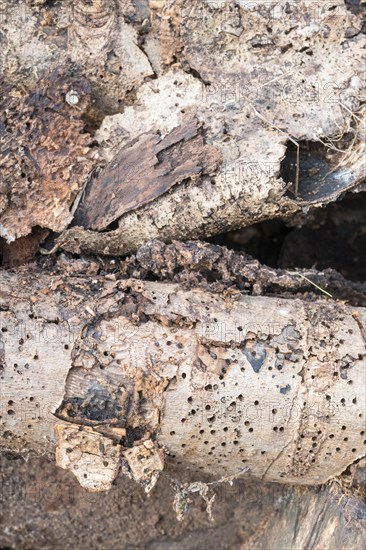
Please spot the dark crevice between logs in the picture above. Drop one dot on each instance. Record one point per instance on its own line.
(331, 237)
(327, 243)
(22, 250)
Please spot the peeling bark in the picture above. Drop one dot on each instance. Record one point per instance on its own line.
(91, 457)
(142, 171)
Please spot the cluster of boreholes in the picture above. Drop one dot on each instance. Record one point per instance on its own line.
(21, 370)
(235, 432)
(239, 435)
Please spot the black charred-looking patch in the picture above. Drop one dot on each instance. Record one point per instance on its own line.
(255, 357)
(132, 435)
(92, 410)
(319, 178)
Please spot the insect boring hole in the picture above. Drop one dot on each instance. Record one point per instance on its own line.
(319, 238)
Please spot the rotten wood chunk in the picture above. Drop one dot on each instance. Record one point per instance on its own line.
(143, 170)
(91, 457)
(45, 156)
(145, 461)
(220, 269)
(22, 250)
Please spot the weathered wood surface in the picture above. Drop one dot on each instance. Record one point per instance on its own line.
(257, 76)
(224, 384)
(143, 170)
(323, 518)
(45, 155)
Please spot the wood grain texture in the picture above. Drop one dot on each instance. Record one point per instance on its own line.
(321, 518)
(144, 169)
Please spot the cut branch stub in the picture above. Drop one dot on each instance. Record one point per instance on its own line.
(143, 170)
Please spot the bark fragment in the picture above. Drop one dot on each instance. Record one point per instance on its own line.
(145, 461)
(45, 155)
(92, 458)
(143, 170)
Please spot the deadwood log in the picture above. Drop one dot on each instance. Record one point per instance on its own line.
(257, 98)
(222, 115)
(282, 104)
(138, 373)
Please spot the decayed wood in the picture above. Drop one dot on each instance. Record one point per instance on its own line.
(97, 39)
(254, 110)
(45, 154)
(159, 64)
(222, 270)
(143, 170)
(325, 518)
(133, 383)
(224, 384)
(240, 194)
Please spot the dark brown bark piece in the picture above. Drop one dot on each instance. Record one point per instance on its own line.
(45, 156)
(143, 170)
